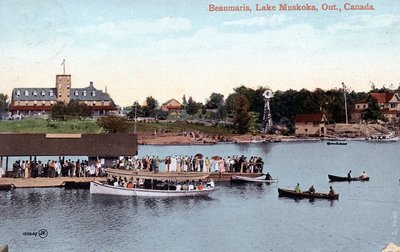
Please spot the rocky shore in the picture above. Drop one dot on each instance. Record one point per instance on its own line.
(334, 131)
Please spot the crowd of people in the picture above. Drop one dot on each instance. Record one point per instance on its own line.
(197, 163)
(53, 168)
(175, 163)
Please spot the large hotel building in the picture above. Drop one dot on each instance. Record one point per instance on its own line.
(33, 101)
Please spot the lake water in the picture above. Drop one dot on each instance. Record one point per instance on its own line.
(235, 218)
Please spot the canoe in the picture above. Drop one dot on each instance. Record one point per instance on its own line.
(334, 178)
(100, 188)
(292, 194)
(336, 143)
(260, 179)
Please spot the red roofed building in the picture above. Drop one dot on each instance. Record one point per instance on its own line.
(389, 103)
(171, 106)
(310, 124)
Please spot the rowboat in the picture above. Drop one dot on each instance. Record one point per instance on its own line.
(97, 187)
(260, 179)
(334, 178)
(292, 194)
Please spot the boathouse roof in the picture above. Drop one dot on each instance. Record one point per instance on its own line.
(92, 145)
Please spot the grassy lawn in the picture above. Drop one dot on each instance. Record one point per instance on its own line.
(90, 126)
(44, 126)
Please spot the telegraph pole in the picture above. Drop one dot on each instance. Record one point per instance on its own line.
(345, 101)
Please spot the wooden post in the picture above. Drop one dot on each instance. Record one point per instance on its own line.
(6, 166)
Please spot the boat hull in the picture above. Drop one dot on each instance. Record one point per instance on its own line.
(334, 178)
(292, 194)
(99, 188)
(260, 179)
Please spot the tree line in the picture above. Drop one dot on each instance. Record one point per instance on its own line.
(244, 107)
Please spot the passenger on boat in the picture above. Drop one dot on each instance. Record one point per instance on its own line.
(200, 186)
(349, 175)
(331, 191)
(178, 186)
(268, 176)
(311, 190)
(210, 183)
(185, 186)
(363, 175)
(297, 188)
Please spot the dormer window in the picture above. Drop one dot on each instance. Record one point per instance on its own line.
(18, 92)
(76, 92)
(26, 93)
(43, 93)
(51, 93)
(93, 93)
(34, 92)
(84, 93)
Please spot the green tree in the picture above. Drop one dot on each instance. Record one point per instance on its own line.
(62, 111)
(192, 106)
(3, 102)
(241, 116)
(59, 111)
(150, 109)
(215, 101)
(113, 124)
(184, 102)
(139, 111)
(373, 112)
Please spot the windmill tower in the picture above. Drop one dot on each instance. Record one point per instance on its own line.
(267, 118)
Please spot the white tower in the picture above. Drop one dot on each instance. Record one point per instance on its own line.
(267, 118)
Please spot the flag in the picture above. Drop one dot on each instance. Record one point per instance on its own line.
(63, 63)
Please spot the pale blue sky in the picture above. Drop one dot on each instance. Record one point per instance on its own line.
(170, 48)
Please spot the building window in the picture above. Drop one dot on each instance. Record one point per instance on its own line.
(35, 103)
(26, 103)
(18, 92)
(26, 93)
(34, 92)
(84, 93)
(94, 102)
(43, 102)
(86, 102)
(357, 106)
(364, 106)
(68, 86)
(76, 92)
(43, 93)
(93, 93)
(59, 94)
(51, 93)
(51, 102)
(392, 105)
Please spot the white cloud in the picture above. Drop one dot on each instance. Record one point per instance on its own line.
(272, 21)
(362, 22)
(137, 27)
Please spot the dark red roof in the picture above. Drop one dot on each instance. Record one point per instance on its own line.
(316, 117)
(382, 97)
